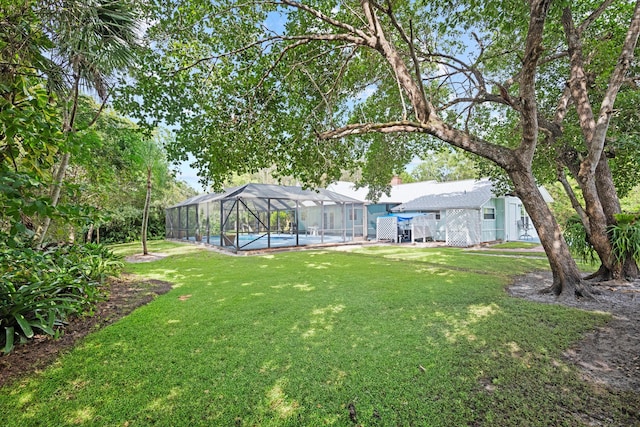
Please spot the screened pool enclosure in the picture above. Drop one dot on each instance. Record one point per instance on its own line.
(259, 216)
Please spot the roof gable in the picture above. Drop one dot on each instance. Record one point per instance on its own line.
(404, 193)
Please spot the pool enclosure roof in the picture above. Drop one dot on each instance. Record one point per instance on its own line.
(272, 192)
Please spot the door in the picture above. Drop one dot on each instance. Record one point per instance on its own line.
(511, 219)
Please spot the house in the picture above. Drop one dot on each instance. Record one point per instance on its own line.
(400, 193)
(460, 213)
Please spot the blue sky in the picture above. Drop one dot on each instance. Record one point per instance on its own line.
(189, 175)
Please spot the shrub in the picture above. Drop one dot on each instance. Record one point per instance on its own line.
(126, 226)
(39, 290)
(576, 237)
(625, 237)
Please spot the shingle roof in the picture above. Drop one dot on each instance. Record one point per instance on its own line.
(454, 197)
(431, 195)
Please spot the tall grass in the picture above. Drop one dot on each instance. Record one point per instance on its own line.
(375, 337)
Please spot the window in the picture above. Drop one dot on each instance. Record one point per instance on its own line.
(354, 214)
(489, 213)
(435, 213)
(329, 219)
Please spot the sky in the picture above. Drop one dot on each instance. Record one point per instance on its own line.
(189, 175)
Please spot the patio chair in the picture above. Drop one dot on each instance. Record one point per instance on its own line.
(523, 229)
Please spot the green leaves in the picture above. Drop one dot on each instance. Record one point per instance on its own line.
(9, 338)
(39, 290)
(576, 237)
(24, 325)
(625, 237)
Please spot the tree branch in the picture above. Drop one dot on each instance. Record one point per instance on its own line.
(532, 52)
(463, 140)
(595, 15)
(329, 20)
(409, 41)
(578, 80)
(574, 200)
(421, 107)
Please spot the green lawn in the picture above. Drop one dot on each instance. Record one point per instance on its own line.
(405, 336)
(514, 245)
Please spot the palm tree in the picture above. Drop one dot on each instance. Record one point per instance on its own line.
(92, 40)
(154, 162)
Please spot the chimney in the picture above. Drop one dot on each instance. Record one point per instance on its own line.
(396, 180)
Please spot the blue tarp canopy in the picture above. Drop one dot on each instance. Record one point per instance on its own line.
(406, 216)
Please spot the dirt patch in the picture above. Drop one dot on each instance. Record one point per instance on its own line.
(146, 258)
(610, 355)
(126, 293)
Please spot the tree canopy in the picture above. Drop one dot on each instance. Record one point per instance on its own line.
(443, 165)
(57, 142)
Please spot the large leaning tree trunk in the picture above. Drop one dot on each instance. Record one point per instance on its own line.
(566, 276)
(593, 173)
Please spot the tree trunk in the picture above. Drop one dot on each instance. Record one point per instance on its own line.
(567, 280)
(598, 235)
(607, 197)
(55, 195)
(594, 176)
(90, 234)
(611, 206)
(145, 214)
(630, 269)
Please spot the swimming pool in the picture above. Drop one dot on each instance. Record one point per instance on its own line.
(262, 241)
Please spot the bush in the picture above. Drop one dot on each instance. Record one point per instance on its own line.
(625, 237)
(39, 290)
(126, 226)
(576, 237)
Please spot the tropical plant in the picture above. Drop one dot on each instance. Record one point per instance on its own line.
(154, 162)
(625, 236)
(576, 236)
(92, 40)
(30, 131)
(40, 289)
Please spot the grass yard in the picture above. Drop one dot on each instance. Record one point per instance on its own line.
(514, 245)
(377, 336)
